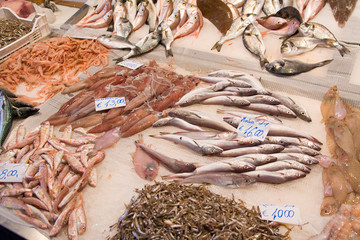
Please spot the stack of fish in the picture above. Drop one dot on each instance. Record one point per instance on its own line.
(59, 168)
(148, 91)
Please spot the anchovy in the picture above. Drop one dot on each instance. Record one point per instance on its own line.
(205, 149)
(296, 108)
(254, 42)
(114, 41)
(285, 164)
(201, 119)
(177, 122)
(292, 141)
(265, 148)
(209, 135)
(229, 180)
(299, 157)
(227, 101)
(288, 67)
(276, 176)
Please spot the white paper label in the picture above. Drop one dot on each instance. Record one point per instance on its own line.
(285, 214)
(12, 172)
(130, 64)
(250, 127)
(107, 103)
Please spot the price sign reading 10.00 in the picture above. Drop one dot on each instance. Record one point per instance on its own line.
(250, 127)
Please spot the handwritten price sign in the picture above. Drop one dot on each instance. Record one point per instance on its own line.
(285, 214)
(107, 103)
(12, 172)
(250, 127)
(130, 64)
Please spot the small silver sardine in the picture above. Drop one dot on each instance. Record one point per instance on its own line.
(265, 148)
(253, 42)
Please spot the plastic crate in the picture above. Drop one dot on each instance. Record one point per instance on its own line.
(40, 29)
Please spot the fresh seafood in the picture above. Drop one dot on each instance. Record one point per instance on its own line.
(312, 9)
(195, 201)
(253, 42)
(341, 13)
(319, 31)
(141, 16)
(287, 13)
(203, 135)
(236, 29)
(287, 30)
(11, 30)
(301, 5)
(145, 165)
(123, 27)
(227, 101)
(178, 122)
(288, 67)
(276, 110)
(167, 38)
(298, 45)
(291, 104)
(192, 25)
(284, 164)
(152, 19)
(114, 41)
(276, 177)
(252, 7)
(238, 115)
(272, 23)
(272, 6)
(264, 148)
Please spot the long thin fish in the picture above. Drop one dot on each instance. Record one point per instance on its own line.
(296, 108)
(265, 148)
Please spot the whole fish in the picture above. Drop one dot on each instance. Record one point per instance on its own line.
(288, 67)
(253, 42)
(276, 110)
(173, 165)
(227, 73)
(114, 41)
(236, 29)
(123, 27)
(281, 130)
(312, 9)
(131, 7)
(296, 108)
(301, 4)
(229, 180)
(102, 22)
(238, 116)
(236, 3)
(288, 13)
(234, 10)
(212, 135)
(194, 23)
(152, 19)
(272, 23)
(298, 45)
(299, 157)
(201, 96)
(166, 9)
(276, 177)
(145, 165)
(258, 159)
(177, 122)
(141, 16)
(342, 10)
(300, 149)
(287, 30)
(231, 144)
(205, 149)
(265, 148)
(6, 117)
(284, 164)
(227, 101)
(167, 38)
(174, 19)
(317, 30)
(201, 119)
(233, 82)
(253, 7)
(146, 44)
(272, 6)
(292, 141)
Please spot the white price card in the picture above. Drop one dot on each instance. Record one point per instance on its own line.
(285, 214)
(130, 64)
(12, 172)
(250, 127)
(107, 103)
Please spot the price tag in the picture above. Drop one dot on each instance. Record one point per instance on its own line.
(130, 64)
(250, 127)
(285, 214)
(107, 103)
(12, 172)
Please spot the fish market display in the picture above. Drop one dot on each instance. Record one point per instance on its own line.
(148, 91)
(11, 30)
(340, 173)
(10, 109)
(179, 211)
(48, 66)
(60, 167)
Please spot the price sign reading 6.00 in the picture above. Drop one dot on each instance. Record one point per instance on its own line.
(249, 127)
(107, 103)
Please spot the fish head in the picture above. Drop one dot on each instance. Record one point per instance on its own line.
(288, 47)
(243, 180)
(306, 28)
(210, 149)
(286, 111)
(275, 66)
(329, 206)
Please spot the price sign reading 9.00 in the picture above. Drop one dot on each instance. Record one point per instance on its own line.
(249, 127)
(12, 172)
(107, 103)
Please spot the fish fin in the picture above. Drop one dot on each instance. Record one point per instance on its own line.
(264, 34)
(217, 46)
(168, 52)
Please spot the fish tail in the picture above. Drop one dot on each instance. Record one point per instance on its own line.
(323, 63)
(263, 61)
(217, 46)
(168, 52)
(342, 49)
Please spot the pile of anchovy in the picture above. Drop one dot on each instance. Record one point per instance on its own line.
(11, 30)
(172, 211)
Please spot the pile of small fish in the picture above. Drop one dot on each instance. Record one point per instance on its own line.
(148, 91)
(59, 168)
(10, 109)
(170, 211)
(11, 30)
(341, 177)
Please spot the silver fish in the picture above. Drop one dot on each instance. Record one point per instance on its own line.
(231, 144)
(177, 122)
(253, 7)
(288, 67)
(236, 29)
(114, 41)
(227, 101)
(201, 119)
(205, 149)
(209, 135)
(234, 10)
(167, 38)
(236, 3)
(227, 73)
(258, 159)
(292, 141)
(229, 180)
(276, 110)
(301, 149)
(285, 164)
(299, 157)
(146, 44)
(319, 31)
(296, 108)
(253, 42)
(276, 176)
(265, 99)
(298, 45)
(255, 83)
(242, 91)
(197, 98)
(272, 6)
(281, 130)
(265, 148)
(233, 82)
(131, 7)
(238, 115)
(123, 27)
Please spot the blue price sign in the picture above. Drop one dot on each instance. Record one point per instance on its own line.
(250, 127)
(12, 172)
(285, 214)
(107, 103)
(130, 64)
